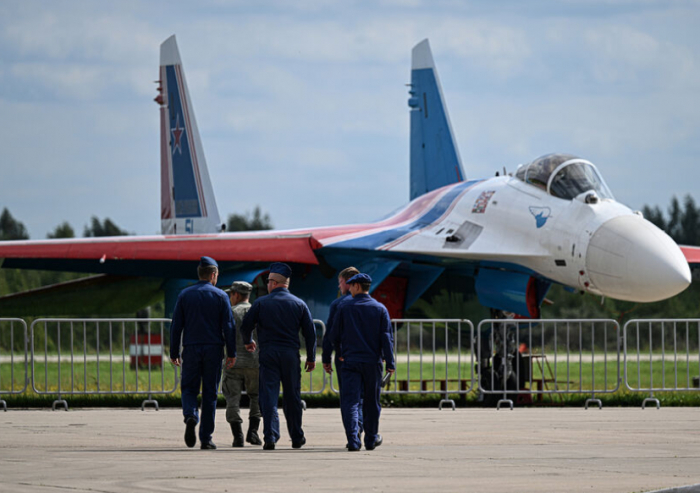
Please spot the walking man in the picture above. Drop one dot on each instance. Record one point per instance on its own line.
(244, 373)
(362, 333)
(202, 320)
(279, 317)
(345, 295)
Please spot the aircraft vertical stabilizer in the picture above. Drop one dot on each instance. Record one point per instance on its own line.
(435, 160)
(187, 197)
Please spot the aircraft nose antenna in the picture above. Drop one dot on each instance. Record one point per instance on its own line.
(631, 259)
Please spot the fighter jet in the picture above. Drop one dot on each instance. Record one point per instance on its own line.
(552, 221)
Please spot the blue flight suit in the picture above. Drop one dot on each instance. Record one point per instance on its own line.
(362, 333)
(203, 318)
(278, 317)
(328, 345)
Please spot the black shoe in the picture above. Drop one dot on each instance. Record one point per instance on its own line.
(376, 444)
(269, 446)
(208, 446)
(353, 449)
(190, 436)
(237, 432)
(252, 436)
(300, 443)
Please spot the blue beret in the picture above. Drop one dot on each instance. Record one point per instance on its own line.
(281, 269)
(208, 262)
(359, 278)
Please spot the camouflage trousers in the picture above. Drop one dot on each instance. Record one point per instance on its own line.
(234, 381)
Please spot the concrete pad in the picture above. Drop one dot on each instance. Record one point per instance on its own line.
(425, 450)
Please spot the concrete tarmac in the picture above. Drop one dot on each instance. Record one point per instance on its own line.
(425, 450)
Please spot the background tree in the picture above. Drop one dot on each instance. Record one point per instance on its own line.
(10, 228)
(249, 222)
(655, 216)
(106, 228)
(63, 230)
(683, 223)
(690, 222)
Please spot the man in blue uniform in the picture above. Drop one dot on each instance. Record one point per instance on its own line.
(202, 319)
(279, 317)
(344, 288)
(362, 333)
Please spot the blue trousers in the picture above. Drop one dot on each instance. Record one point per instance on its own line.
(360, 390)
(339, 372)
(280, 366)
(201, 367)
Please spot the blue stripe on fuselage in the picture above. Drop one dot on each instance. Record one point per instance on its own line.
(376, 240)
(185, 193)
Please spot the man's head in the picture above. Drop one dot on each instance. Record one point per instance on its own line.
(208, 270)
(279, 276)
(359, 284)
(344, 275)
(239, 292)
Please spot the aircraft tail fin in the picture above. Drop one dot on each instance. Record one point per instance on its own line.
(435, 160)
(188, 205)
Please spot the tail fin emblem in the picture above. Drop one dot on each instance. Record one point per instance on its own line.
(177, 135)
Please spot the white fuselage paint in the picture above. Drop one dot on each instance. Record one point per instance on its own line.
(604, 247)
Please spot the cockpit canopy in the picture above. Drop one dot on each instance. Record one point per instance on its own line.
(564, 176)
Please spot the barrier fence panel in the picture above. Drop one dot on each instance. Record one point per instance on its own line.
(101, 357)
(662, 355)
(14, 361)
(433, 357)
(521, 358)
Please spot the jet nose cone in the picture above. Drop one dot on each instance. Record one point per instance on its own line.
(629, 258)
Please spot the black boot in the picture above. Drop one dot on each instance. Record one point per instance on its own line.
(237, 431)
(252, 436)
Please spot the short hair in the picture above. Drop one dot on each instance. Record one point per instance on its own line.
(348, 272)
(205, 272)
(364, 286)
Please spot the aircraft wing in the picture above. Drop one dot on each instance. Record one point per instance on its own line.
(692, 254)
(157, 256)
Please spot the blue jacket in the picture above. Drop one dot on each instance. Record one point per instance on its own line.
(327, 343)
(203, 314)
(362, 331)
(279, 316)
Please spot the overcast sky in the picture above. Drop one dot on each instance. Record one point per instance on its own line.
(301, 104)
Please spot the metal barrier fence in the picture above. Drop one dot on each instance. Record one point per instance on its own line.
(650, 344)
(433, 357)
(91, 356)
(521, 358)
(13, 357)
(514, 360)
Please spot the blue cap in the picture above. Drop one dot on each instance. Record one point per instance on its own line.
(282, 269)
(359, 278)
(208, 262)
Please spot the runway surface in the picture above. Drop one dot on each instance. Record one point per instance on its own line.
(425, 450)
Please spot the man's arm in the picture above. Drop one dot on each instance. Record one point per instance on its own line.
(228, 327)
(248, 324)
(176, 328)
(309, 333)
(327, 344)
(387, 341)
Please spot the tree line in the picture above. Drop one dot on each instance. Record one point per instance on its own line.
(15, 280)
(13, 229)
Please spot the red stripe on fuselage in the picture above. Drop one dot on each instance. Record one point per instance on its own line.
(447, 212)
